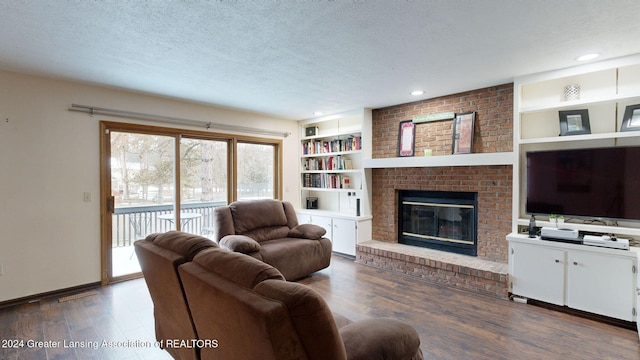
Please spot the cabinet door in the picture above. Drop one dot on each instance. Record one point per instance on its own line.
(601, 284)
(344, 236)
(537, 272)
(304, 219)
(324, 222)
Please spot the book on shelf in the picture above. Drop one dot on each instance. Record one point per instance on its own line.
(346, 182)
(327, 181)
(335, 163)
(351, 143)
(338, 162)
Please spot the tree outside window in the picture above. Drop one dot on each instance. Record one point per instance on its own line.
(256, 166)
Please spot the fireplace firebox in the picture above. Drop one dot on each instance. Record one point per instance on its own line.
(440, 220)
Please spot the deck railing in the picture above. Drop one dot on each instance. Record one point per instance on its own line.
(136, 222)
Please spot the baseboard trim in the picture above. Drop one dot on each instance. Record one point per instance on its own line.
(587, 315)
(49, 294)
(346, 256)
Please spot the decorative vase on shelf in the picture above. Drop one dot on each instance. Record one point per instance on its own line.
(572, 92)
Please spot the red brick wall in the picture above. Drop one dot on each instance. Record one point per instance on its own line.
(493, 133)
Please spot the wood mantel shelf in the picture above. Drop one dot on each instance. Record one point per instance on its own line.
(481, 159)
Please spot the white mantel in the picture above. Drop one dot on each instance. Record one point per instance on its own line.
(480, 159)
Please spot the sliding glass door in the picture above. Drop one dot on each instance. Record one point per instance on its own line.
(149, 172)
(143, 187)
(256, 166)
(203, 182)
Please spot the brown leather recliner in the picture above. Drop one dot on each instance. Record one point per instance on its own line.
(244, 309)
(159, 256)
(268, 230)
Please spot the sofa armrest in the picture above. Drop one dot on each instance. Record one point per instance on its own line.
(379, 339)
(222, 223)
(307, 231)
(240, 243)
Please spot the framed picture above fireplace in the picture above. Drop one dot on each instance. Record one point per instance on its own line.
(463, 125)
(406, 138)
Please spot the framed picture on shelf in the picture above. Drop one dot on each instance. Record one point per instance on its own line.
(574, 122)
(406, 138)
(463, 125)
(312, 203)
(631, 119)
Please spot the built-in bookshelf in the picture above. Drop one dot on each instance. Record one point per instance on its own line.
(333, 182)
(331, 163)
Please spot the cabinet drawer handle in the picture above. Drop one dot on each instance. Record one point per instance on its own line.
(557, 261)
(575, 263)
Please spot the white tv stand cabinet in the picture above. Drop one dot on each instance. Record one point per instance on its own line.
(598, 280)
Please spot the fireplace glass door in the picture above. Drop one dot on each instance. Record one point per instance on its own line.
(444, 224)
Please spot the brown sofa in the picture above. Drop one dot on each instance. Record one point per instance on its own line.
(268, 230)
(159, 256)
(247, 310)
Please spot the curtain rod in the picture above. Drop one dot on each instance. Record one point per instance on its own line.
(173, 120)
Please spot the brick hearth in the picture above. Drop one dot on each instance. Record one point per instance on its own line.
(461, 271)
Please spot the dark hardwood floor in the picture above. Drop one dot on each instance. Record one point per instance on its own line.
(120, 312)
(456, 324)
(453, 324)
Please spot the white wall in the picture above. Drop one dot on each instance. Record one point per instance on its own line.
(49, 156)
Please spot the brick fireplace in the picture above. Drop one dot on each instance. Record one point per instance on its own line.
(492, 183)
(486, 273)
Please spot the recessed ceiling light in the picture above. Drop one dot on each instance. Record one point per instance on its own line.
(318, 113)
(417, 92)
(587, 57)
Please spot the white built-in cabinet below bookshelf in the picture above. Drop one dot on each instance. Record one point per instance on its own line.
(332, 177)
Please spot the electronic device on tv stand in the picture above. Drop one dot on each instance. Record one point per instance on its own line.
(606, 241)
(562, 235)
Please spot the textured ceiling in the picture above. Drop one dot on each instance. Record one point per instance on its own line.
(289, 58)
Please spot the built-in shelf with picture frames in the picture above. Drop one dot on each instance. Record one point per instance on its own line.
(603, 90)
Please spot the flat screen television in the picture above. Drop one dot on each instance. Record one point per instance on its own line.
(596, 183)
